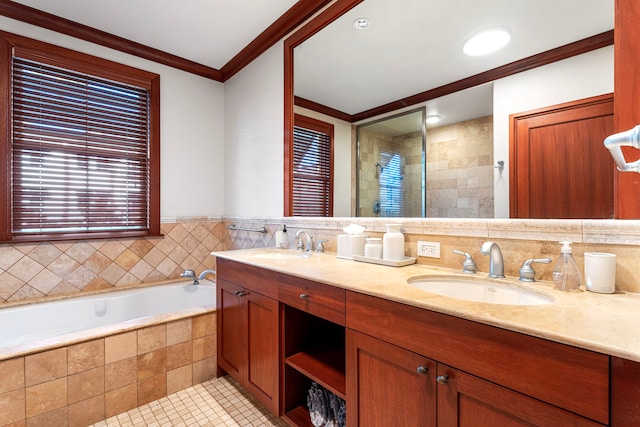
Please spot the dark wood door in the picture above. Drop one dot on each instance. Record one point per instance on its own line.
(468, 401)
(231, 337)
(387, 385)
(559, 165)
(262, 349)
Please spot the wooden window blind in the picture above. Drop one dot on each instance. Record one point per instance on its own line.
(82, 161)
(312, 168)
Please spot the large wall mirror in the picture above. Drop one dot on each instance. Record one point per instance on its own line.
(410, 57)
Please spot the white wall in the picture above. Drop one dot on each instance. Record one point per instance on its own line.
(254, 137)
(191, 134)
(341, 159)
(575, 78)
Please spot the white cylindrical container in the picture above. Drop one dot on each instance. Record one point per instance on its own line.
(393, 243)
(373, 248)
(600, 272)
(356, 244)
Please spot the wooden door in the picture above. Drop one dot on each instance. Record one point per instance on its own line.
(387, 385)
(262, 349)
(559, 165)
(231, 338)
(468, 401)
(627, 100)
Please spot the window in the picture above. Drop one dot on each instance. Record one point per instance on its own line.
(82, 151)
(312, 186)
(391, 184)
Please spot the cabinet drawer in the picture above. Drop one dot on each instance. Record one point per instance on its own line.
(324, 301)
(252, 278)
(562, 375)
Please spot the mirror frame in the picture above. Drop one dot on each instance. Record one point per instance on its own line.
(342, 6)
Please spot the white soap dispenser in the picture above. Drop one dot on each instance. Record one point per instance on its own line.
(566, 274)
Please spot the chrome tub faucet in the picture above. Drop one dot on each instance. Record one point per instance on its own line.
(191, 274)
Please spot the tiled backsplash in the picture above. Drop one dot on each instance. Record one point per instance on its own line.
(54, 268)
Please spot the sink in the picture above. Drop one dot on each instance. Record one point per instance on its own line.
(282, 254)
(480, 290)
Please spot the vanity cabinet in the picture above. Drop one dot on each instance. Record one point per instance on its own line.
(247, 322)
(477, 375)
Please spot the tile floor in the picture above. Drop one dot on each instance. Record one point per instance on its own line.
(219, 402)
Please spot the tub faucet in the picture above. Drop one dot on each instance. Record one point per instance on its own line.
(190, 274)
(309, 246)
(496, 264)
(204, 274)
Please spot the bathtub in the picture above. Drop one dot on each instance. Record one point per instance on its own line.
(80, 360)
(41, 325)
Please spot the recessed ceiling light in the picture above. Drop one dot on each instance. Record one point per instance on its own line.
(361, 23)
(432, 119)
(486, 41)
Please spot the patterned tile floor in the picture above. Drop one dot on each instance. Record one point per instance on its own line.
(218, 402)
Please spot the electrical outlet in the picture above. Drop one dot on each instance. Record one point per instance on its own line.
(429, 249)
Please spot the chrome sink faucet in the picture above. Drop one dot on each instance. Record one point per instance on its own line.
(496, 263)
(301, 245)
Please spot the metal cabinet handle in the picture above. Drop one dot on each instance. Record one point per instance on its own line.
(443, 379)
(422, 370)
(239, 294)
(304, 296)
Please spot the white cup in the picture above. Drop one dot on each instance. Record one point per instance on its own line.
(373, 248)
(356, 244)
(600, 272)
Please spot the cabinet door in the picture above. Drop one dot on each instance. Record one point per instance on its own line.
(231, 337)
(468, 401)
(387, 385)
(262, 349)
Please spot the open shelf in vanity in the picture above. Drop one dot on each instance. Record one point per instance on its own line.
(314, 351)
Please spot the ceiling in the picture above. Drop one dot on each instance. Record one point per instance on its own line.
(209, 32)
(340, 67)
(412, 46)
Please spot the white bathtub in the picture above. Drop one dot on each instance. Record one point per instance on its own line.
(44, 324)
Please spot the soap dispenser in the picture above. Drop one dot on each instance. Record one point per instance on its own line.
(566, 274)
(282, 238)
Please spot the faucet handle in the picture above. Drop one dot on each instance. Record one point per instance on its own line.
(300, 245)
(188, 273)
(527, 273)
(319, 246)
(469, 265)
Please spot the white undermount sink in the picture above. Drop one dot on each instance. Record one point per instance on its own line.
(282, 254)
(480, 290)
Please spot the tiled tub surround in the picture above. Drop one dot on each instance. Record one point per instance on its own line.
(80, 383)
(29, 271)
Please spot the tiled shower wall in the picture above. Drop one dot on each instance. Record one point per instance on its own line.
(460, 170)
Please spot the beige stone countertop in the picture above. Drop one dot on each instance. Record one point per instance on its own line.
(605, 323)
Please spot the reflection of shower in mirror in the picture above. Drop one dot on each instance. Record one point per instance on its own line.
(379, 170)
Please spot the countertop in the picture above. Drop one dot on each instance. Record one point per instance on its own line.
(605, 323)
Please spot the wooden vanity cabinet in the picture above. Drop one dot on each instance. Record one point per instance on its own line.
(388, 385)
(247, 322)
(500, 377)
